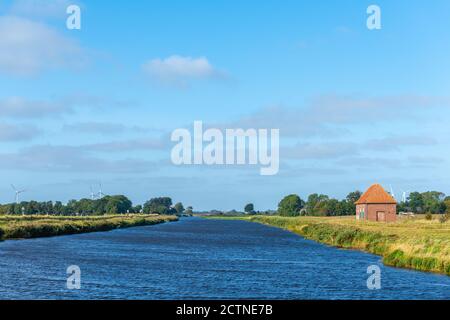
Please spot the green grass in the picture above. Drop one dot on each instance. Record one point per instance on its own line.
(22, 227)
(413, 243)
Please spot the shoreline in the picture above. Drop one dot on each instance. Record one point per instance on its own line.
(29, 227)
(396, 250)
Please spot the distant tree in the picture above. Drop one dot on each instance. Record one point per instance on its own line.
(290, 205)
(85, 206)
(100, 205)
(433, 202)
(330, 207)
(112, 206)
(416, 202)
(58, 208)
(32, 207)
(354, 196)
(189, 210)
(316, 203)
(439, 208)
(179, 207)
(7, 209)
(447, 205)
(249, 208)
(118, 204)
(232, 213)
(18, 207)
(402, 207)
(319, 209)
(160, 205)
(434, 195)
(348, 206)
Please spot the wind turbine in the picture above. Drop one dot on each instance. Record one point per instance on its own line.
(92, 194)
(100, 192)
(405, 196)
(392, 192)
(18, 192)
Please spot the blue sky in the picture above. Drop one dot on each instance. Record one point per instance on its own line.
(353, 106)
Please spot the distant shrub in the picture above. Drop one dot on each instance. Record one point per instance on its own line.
(343, 236)
(444, 217)
(395, 258)
(290, 206)
(429, 216)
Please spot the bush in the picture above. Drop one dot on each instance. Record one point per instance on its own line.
(444, 218)
(429, 216)
(290, 206)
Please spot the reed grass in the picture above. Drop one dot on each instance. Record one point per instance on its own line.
(23, 227)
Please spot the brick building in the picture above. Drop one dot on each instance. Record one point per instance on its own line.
(376, 205)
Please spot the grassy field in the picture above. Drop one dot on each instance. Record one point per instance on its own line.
(411, 242)
(22, 227)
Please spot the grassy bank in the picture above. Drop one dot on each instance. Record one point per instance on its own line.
(22, 227)
(413, 243)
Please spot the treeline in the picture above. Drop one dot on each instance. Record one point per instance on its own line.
(432, 202)
(118, 204)
(318, 205)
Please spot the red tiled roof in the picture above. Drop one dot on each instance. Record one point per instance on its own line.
(376, 194)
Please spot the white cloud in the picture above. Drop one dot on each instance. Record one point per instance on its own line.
(23, 108)
(178, 70)
(105, 128)
(9, 132)
(28, 47)
(338, 149)
(127, 145)
(395, 143)
(371, 162)
(332, 115)
(330, 150)
(426, 160)
(70, 159)
(18, 107)
(342, 110)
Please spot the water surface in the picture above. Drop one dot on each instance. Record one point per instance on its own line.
(196, 258)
